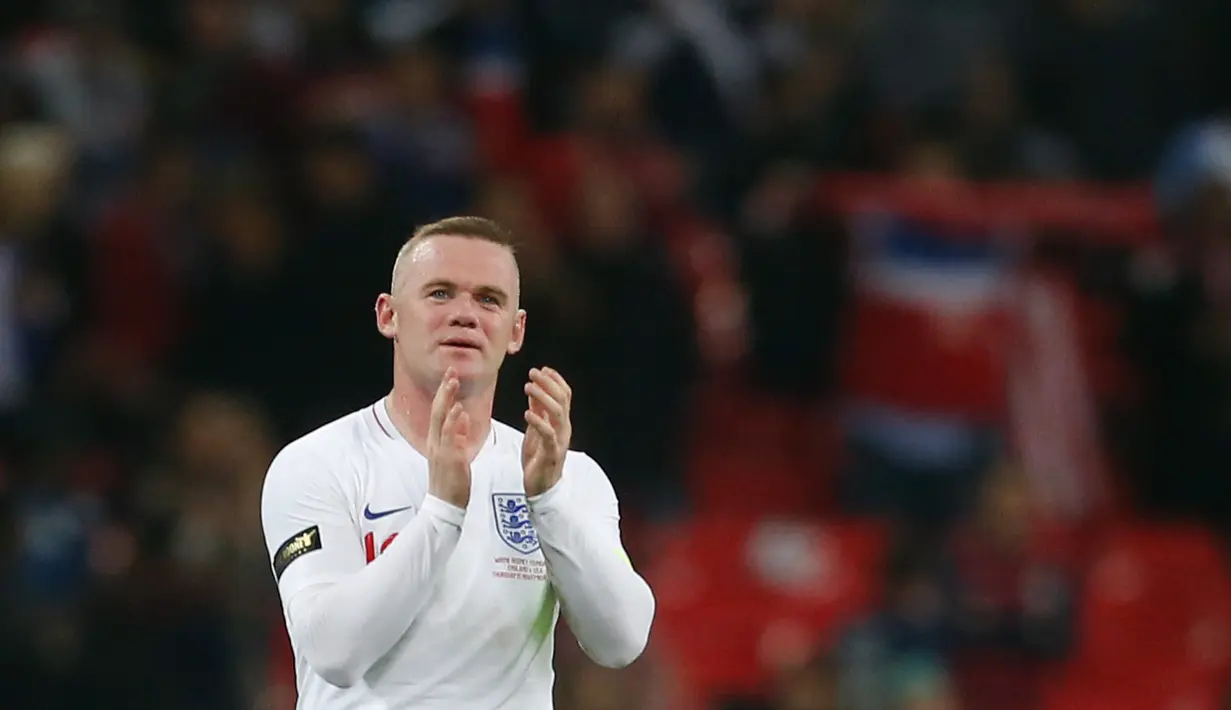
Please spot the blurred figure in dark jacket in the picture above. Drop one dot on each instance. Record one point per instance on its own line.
(1012, 600)
(1179, 330)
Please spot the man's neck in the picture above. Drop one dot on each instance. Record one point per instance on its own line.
(410, 410)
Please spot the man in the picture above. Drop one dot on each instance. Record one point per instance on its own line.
(423, 551)
(1178, 332)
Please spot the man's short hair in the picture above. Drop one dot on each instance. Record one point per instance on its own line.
(465, 226)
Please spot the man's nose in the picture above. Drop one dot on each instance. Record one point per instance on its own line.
(463, 315)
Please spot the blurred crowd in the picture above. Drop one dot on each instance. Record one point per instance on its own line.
(201, 199)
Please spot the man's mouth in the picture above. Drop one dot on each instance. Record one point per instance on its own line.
(460, 343)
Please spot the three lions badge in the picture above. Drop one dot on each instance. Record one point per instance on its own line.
(513, 522)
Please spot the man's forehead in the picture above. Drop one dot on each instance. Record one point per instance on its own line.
(465, 261)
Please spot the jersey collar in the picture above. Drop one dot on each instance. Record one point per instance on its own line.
(384, 423)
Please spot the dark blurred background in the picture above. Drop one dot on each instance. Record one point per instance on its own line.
(903, 328)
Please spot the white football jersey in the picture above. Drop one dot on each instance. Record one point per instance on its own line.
(396, 600)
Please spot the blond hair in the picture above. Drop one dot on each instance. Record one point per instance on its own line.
(468, 227)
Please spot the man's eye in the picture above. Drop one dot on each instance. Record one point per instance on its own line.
(489, 300)
(438, 293)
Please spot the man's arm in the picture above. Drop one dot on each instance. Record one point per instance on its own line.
(341, 613)
(609, 607)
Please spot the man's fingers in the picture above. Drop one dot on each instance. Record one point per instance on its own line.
(552, 383)
(442, 403)
(546, 432)
(563, 383)
(448, 428)
(553, 407)
(448, 440)
(550, 398)
(461, 428)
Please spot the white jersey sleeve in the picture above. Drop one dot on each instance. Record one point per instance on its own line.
(342, 614)
(608, 606)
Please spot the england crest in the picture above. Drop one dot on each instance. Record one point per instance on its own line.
(513, 522)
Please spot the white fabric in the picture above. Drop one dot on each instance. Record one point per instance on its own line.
(454, 613)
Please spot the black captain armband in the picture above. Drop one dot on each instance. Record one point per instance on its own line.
(299, 544)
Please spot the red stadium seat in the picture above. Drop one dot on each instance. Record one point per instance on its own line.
(745, 481)
(733, 649)
(740, 596)
(1156, 598)
(1160, 691)
(730, 416)
(808, 562)
(753, 454)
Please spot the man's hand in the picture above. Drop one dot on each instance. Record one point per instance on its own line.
(448, 464)
(548, 430)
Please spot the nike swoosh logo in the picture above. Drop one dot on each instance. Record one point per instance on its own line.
(367, 512)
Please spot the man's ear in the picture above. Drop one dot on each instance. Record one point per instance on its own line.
(519, 332)
(386, 317)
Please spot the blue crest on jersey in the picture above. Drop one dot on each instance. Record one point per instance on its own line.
(513, 522)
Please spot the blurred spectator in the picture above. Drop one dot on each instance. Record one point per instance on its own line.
(639, 347)
(1102, 73)
(918, 54)
(995, 141)
(331, 35)
(1177, 331)
(38, 295)
(349, 228)
(552, 294)
(793, 270)
(140, 256)
(923, 684)
(919, 468)
(810, 686)
(421, 141)
(702, 72)
(222, 448)
(222, 93)
(814, 115)
(912, 630)
(249, 281)
(92, 82)
(925, 363)
(1013, 598)
(564, 36)
(611, 130)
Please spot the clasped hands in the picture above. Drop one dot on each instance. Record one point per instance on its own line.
(548, 434)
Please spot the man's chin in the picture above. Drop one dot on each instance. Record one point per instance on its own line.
(468, 369)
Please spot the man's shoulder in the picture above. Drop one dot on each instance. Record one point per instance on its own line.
(350, 430)
(512, 439)
(586, 473)
(510, 436)
(577, 463)
(578, 460)
(333, 443)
